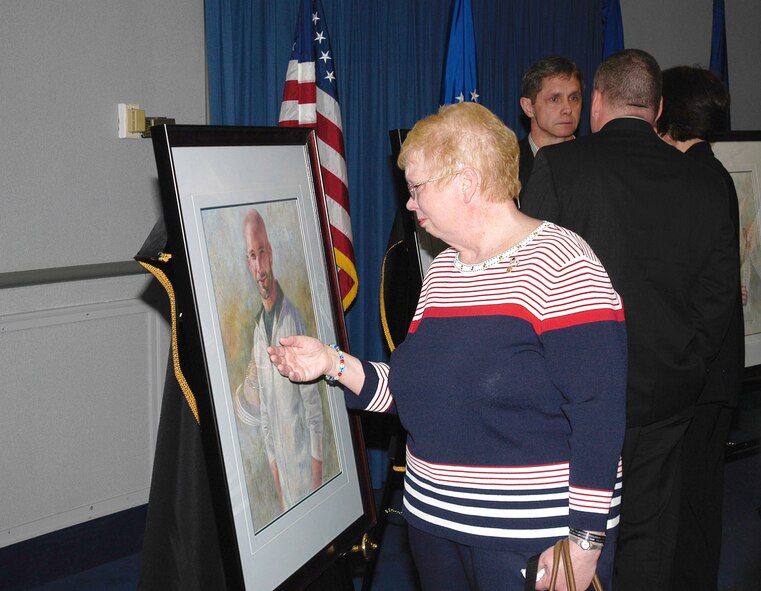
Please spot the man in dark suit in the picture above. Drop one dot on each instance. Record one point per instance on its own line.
(551, 92)
(651, 216)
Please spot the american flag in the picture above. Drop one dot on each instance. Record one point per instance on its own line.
(310, 99)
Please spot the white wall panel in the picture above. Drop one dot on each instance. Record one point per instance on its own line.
(81, 392)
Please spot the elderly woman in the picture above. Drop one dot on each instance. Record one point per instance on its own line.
(511, 380)
(695, 105)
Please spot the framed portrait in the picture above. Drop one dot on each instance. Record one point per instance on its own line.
(740, 153)
(253, 261)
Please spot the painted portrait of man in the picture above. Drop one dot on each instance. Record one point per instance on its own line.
(261, 286)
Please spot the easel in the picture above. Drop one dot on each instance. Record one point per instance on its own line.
(394, 481)
(336, 578)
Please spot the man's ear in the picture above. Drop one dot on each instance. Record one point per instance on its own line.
(527, 107)
(660, 111)
(596, 97)
(595, 110)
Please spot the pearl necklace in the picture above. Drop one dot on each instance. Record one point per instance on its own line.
(499, 258)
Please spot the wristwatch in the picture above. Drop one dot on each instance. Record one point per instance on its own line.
(586, 540)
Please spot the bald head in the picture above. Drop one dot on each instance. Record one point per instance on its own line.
(254, 223)
(259, 256)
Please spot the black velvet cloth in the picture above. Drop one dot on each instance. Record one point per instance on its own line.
(181, 547)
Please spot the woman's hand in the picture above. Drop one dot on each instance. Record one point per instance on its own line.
(584, 566)
(302, 358)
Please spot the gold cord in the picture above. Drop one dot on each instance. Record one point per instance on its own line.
(384, 318)
(164, 280)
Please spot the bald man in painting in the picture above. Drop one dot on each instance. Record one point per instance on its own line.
(291, 414)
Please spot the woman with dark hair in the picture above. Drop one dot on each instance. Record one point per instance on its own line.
(695, 105)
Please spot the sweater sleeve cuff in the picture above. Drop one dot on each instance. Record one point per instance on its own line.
(593, 509)
(375, 395)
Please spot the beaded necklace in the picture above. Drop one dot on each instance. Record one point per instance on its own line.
(498, 258)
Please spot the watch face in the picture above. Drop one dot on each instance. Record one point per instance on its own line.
(585, 545)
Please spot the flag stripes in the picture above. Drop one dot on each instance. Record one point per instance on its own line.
(310, 99)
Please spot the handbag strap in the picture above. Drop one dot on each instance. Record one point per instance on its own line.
(532, 566)
(570, 579)
(556, 558)
(562, 552)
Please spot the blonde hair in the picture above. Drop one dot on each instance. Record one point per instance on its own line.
(466, 134)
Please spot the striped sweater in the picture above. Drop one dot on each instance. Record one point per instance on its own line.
(511, 385)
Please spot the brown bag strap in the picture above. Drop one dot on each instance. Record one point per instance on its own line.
(532, 565)
(562, 553)
(556, 558)
(570, 579)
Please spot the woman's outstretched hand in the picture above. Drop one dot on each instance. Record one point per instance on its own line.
(302, 358)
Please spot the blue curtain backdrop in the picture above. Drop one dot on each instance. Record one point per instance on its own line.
(389, 61)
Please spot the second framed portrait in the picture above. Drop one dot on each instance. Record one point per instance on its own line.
(740, 152)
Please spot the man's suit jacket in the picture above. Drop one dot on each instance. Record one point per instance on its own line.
(526, 162)
(652, 217)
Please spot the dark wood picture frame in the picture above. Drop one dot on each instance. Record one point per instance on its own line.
(205, 170)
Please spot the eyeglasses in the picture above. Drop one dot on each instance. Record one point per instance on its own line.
(413, 188)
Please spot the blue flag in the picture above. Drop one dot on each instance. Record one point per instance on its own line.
(460, 82)
(719, 50)
(719, 43)
(612, 28)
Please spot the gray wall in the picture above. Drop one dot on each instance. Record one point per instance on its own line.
(72, 192)
(82, 361)
(678, 32)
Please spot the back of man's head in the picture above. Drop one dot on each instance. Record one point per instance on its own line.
(630, 83)
(548, 67)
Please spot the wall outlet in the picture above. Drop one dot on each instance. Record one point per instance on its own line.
(130, 118)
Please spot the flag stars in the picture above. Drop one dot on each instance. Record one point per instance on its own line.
(474, 96)
(330, 77)
(460, 97)
(315, 18)
(325, 56)
(320, 37)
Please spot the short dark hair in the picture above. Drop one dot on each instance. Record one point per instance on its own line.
(695, 104)
(630, 78)
(548, 67)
